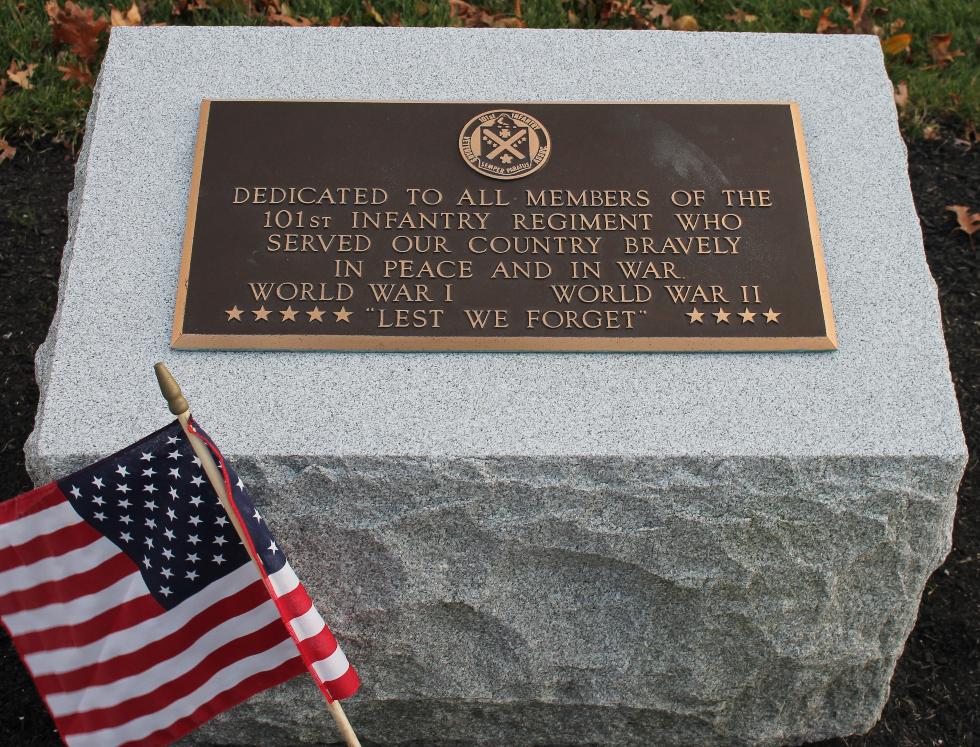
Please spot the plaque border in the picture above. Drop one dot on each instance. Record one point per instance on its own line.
(524, 344)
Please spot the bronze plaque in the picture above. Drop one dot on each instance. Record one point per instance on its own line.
(502, 226)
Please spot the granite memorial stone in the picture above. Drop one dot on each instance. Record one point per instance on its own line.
(547, 548)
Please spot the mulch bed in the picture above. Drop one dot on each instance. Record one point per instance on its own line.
(936, 688)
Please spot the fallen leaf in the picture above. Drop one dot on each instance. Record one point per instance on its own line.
(897, 44)
(132, 16)
(901, 94)
(338, 21)
(824, 24)
(466, 14)
(7, 151)
(806, 12)
(740, 17)
(940, 52)
(969, 222)
(281, 13)
(76, 27)
(373, 13)
(658, 12)
(930, 132)
(21, 75)
(78, 73)
(685, 23)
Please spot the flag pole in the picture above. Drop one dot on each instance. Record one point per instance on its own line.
(181, 409)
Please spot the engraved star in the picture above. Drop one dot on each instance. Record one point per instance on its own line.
(316, 315)
(234, 313)
(506, 158)
(772, 316)
(262, 313)
(748, 317)
(343, 315)
(289, 315)
(696, 316)
(721, 316)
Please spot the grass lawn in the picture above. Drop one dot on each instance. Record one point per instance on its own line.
(52, 52)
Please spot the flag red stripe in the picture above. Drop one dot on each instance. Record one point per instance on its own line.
(68, 588)
(231, 697)
(154, 652)
(26, 504)
(249, 644)
(344, 686)
(125, 615)
(295, 603)
(49, 545)
(319, 646)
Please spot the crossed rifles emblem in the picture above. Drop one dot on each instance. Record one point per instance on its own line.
(506, 142)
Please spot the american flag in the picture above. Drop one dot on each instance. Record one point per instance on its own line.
(137, 609)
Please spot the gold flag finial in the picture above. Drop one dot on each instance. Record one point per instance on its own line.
(171, 390)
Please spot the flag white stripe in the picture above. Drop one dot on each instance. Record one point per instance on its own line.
(77, 610)
(142, 727)
(137, 636)
(332, 667)
(169, 670)
(284, 580)
(58, 566)
(307, 625)
(49, 520)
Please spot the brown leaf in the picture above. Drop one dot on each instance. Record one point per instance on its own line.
(338, 21)
(824, 24)
(78, 73)
(901, 94)
(132, 16)
(685, 23)
(806, 13)
(21, 75)
(466, 14)
(740, 17)
(940, 52)
(76, 27)
(931, 132)
(7, 151)
(897, 44)
(969, 222)
(658, 12)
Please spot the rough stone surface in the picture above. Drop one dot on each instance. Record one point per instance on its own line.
(545, 549)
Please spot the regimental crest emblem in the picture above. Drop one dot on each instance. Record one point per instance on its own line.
(505, 144)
